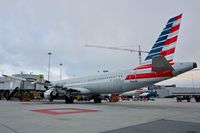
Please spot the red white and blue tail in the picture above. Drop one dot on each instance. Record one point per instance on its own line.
(166, 43)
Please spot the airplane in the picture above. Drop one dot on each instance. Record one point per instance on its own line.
(148, 94)
(139, 94)
(157, 66)
(133, 94)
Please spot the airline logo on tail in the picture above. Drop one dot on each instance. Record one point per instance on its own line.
(166, 43)
(162, 53)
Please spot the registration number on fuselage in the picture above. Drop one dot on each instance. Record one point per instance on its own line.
(133, 81)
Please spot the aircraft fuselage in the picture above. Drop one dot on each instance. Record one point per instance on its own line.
(123, 81)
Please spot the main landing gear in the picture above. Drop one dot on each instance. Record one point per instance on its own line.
(97, 98)
(69, 99)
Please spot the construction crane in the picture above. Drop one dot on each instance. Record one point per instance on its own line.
(124, 49)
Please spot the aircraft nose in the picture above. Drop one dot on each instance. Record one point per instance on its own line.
(194, 65)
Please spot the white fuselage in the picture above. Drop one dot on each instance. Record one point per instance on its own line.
(118, 82)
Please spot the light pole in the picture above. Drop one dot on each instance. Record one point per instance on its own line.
(61, 71)
(49, 64)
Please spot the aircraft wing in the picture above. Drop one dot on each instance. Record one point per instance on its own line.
(42, 83)
(160, 63)
(79, 90)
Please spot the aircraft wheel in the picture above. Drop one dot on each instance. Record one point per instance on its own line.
(69, 100)
(51, 99)
(97, 100)
(197, 98)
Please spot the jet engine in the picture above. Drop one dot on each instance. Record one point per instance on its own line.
(53, 93)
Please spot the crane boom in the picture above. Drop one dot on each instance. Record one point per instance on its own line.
(117, 48)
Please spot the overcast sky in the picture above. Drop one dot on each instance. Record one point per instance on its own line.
(29, 29)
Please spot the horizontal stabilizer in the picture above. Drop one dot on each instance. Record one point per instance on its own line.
(160, 63)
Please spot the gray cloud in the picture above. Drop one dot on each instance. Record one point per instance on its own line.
(30, 29)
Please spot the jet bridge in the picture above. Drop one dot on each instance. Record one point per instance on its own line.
(13, 88)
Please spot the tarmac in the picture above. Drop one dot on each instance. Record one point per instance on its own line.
(161, 115)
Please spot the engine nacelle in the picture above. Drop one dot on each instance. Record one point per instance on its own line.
(54, 94)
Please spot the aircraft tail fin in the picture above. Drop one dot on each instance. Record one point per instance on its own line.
(166, 42)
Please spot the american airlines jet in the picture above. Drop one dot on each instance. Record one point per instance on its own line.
(157, 66)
